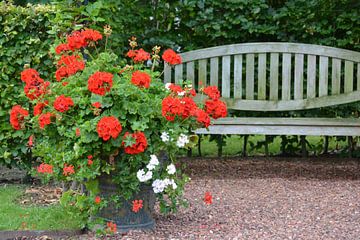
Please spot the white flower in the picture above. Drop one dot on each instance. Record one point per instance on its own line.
(153, 162)
(171, 169)
(170, 182)
(167, 86)
(142, 176)
(165, 137)
(181, 93)
(148, 176)
(174, 186)
(182, 140)
(158, 186)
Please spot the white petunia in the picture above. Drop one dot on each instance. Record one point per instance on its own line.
(153, 162)
(165, 137)
(182, 140)
(171, 169)
(142, 176)
(167, 86)
(158, 186)
(174, 186)
(181, 93)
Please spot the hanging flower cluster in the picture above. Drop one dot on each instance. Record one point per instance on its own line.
(68, 66)
(100, 83)
(17, 117)
(139, 145)
(108, 127)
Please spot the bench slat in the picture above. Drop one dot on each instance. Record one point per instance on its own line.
(178, 73)
(335, 76)
(190, 73)
(225, 77)
(299, 69)
(286, 76)
(323, 76)
(271, 47)
(288, 105)
(262, 77)
(167, 73)
(349, 76)
(282, 130)
(238, 76)
(274, 76)
(311, 76)
(214, 71)
(250, 76)
(288, 121)
(203, 72)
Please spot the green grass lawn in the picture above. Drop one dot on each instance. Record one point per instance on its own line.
(14, 216)
(234, 145)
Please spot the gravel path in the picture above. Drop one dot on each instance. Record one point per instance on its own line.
(262, 199)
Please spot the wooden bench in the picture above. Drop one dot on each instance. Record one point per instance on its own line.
(276, 77)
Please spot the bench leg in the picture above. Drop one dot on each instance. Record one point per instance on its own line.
(304, 152)
(326, 145)
(266, 146)
(244, 154)
(199, 145)
(350, 145)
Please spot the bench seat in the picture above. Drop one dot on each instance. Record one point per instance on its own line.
(285, 126)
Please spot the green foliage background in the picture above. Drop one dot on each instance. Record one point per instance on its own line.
(27, 33)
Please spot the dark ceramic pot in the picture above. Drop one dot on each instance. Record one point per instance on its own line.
(123, 216)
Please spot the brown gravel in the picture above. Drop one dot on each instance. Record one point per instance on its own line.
(262, 199)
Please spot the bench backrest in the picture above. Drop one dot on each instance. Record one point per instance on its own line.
(273, 76)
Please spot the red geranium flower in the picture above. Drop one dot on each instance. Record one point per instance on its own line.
(68, 66)
(91, 35)
(17, 116)
(31, 141)
(213, 92)
(141, 55)
(100, 83)
(137, 205)
(45, 168)
(140, 143)
(77, 132)
(202, 117)
(44, 119)
(172, 107)
(131, 53)
(175, 88)
(62, 47)
(108, 127)
(208, 199)
(68, 170)
(111, 227)
(62, 103)
(215, 108)
(171, 57)
(29, 75)
(76, 40)
(141, 79)
(90, 161)
(96, 105)
(38, 108)
(189, 107)
(36, 88)
(97, 200)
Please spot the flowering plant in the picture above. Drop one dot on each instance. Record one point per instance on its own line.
(98, 117)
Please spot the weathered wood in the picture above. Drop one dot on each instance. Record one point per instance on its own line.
(358, 77)
(335, 76)
(311, 76)
(178, 73)
(225, 77)
(237, 76)
(190, 73)
(286, 76)
(299, 73)
(282, 130)
(287, 105)
(274, 76)
(214, 71)
(323, 76)
(167, 73)
(203, 72)
(271, 47)
(349, 76)
(262, 77)
(250, 76)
